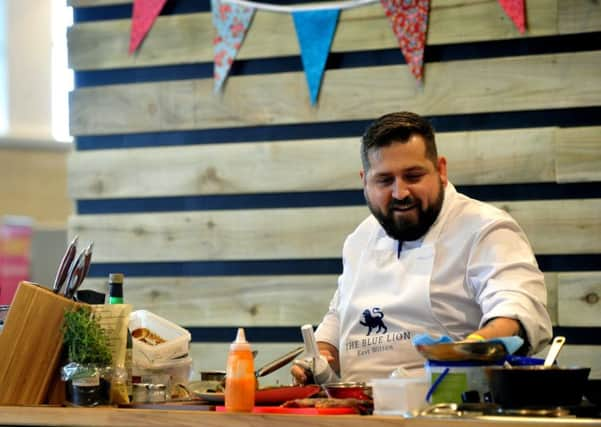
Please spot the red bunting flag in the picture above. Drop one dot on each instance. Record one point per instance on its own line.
(409, 19)
(515, 9)
(144, 14)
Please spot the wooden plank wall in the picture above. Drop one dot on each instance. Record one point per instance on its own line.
(33, 183)
(230, 210)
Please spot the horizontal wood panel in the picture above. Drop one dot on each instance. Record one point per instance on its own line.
(553, 227)
(21, 173)
(224, 301)
(488, 157)
(579, 16)
(456, 87)
(248, 300)
(579, 295)
(188, 38)
(578, 152)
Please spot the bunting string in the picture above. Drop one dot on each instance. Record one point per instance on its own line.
(289, 9)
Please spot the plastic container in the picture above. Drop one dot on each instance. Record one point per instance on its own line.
(177, 340)
(172, 373)
(404, 397)
(240, 379)
(450, 379)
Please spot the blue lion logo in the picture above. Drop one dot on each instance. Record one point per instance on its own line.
(373, 319)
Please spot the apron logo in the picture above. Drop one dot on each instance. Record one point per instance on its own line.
(373, 319)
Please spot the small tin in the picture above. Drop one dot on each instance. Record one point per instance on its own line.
(149, 393)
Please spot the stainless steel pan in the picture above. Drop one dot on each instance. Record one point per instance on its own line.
(464, 351)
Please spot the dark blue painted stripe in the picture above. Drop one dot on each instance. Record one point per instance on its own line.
(339, 60)
(172, 7)
(505, 192)
(579, 336)
(279, 334)
(254, 334)
(547, 263)
(564, 117)
(218, 268)
(235, 201)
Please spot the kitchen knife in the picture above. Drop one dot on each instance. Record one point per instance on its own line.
(64, 266)
(87, 263)
(75, 272)
(311, 349)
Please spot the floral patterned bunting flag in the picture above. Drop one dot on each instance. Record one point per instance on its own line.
(231, 22)
(409, 19)
(516, 11)
(144, 14)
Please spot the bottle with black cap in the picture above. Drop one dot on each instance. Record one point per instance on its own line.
(116, 297)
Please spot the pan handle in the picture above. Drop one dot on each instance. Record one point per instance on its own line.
(279, 362)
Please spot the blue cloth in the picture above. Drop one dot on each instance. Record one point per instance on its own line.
(511, 343)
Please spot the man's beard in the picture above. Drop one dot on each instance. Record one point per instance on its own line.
(399, 228)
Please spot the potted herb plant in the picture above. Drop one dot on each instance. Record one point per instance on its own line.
(88, 371)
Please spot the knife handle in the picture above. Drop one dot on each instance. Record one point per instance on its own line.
(74, 274)
(311, 348)
(64, 266)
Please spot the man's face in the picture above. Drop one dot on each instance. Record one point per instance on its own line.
(404, 190)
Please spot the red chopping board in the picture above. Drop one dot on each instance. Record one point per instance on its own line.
(269, 396)
(298, 411)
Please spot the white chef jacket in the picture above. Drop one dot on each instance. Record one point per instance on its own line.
(474, 264)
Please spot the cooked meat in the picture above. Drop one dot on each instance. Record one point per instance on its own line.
(362, 406)
(147, 336)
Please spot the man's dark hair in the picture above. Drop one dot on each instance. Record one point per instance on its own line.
(397, 127)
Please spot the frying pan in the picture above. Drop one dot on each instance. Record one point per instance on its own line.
(533, 386)
(537, 385)
(478, 351)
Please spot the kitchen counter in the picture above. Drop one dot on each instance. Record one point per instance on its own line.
(114, 417)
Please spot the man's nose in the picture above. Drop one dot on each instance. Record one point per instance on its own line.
(400, 190)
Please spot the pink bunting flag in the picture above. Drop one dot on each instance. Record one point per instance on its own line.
(515, 9)
(409, 19)
(144, 14)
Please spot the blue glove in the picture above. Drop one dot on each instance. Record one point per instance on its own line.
(425, 339)
(511, 343)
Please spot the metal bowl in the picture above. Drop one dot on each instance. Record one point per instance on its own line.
(212, 376)
(345, 390)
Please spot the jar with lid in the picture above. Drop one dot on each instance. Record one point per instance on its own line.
(149, 393)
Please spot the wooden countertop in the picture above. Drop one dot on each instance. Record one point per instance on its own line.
(114, 417)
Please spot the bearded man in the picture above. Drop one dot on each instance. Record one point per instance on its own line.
(428, 260)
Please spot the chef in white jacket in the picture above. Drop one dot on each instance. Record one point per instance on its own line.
(427, 260)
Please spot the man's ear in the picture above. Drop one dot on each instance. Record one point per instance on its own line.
(362, 176)
(441, 167)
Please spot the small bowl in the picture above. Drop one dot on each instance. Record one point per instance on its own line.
(212, 376)
(353, 390)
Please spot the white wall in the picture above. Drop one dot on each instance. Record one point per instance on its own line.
(29, 41)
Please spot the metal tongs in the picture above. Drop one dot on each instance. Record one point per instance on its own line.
(72, 270)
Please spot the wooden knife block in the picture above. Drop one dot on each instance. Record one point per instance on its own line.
(31, 345)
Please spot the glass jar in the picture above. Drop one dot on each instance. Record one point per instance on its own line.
(149, 393)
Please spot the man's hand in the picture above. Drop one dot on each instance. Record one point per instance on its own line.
(496, 328)
(301, 375)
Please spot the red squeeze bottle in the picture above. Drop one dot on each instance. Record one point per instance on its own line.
(240, 380)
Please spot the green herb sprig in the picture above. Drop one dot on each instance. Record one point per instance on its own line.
(84, 338)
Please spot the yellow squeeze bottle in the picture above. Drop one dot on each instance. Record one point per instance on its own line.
(240, 380)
